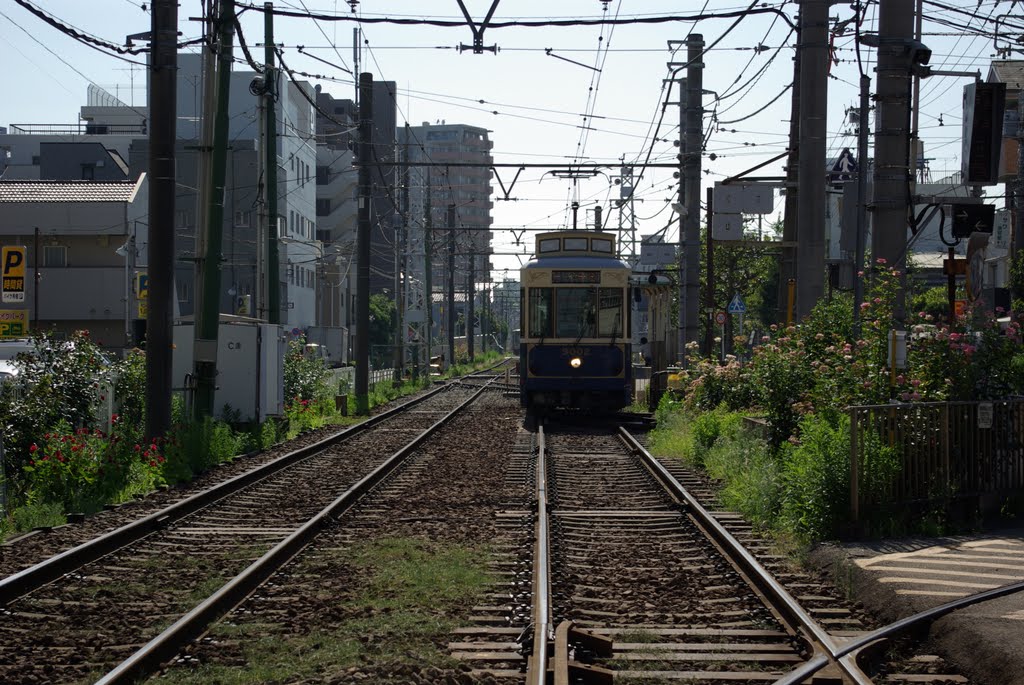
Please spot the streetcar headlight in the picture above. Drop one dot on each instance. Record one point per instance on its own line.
(575, 362)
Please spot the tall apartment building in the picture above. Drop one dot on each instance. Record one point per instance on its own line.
(432, 189)
(299, 249)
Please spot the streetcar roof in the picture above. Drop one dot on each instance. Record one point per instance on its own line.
(574, 262)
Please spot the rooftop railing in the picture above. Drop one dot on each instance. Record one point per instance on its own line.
(81, 128)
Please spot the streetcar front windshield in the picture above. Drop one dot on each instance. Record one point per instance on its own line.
(588, 312)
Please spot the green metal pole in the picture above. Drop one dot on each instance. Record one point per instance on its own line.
(205, 349)
(273, 259)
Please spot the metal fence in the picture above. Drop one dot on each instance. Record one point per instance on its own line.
(908, 455)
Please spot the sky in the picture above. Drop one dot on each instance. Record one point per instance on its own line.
(553, 95)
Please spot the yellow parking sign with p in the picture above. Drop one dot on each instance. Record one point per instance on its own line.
(142, 293)
(12, 262)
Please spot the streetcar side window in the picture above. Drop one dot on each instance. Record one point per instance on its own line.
(609, 317)
(540, 308)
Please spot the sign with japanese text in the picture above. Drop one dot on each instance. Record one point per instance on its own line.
(13, 323)
(13, 259)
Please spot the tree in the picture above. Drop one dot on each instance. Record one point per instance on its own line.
(749, 270)
(383, 319)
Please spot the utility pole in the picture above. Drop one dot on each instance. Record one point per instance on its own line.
(204, 349)
(862, 202)
(273, 227)
(790, 224)
(689, 306)
(38, 278)
(163, 106)
(1018, 206)
(404, 242)
(450, 319)
(814, 49)
(396, 341)
(428, 277)
(709, 278)
(363, 246)
(627, 218)
(893, 172)
(471, 302)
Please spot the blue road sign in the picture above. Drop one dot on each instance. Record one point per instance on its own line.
(737, 305)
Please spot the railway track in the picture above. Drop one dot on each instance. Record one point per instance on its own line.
(598, 567)
(80, 614)
(645, 586)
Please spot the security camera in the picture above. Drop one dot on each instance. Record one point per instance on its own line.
(919, 52)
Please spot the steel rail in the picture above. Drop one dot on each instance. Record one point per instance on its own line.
(811, 667)
(780, 599)
(541, 572)
(193, 624)
(21, 583)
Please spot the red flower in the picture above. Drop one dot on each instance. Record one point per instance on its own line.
(113, 418)
(153, 464)
(33, 447)
(138, 448)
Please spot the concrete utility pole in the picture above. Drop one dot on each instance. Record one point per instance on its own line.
(163, 107)
(450, 319)
(862, 201)
(893, 171)
(814, 53)
(405, 300)
(207, 320)
(691, 146)
(271, 95)
(709, 277)
(790, 225)
(1018, 207)
(362, 347)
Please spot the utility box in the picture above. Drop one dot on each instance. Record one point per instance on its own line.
(250, 366)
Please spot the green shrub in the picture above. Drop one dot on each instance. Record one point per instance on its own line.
(196, 446)
(81, 470)
(57, 382)
(752, 483)
(304, 378)
(817, 478)
(35, 514)
(130, 388)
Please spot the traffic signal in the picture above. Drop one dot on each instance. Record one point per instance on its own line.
(982, 131)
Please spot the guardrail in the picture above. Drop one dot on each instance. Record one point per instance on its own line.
(907, 455)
